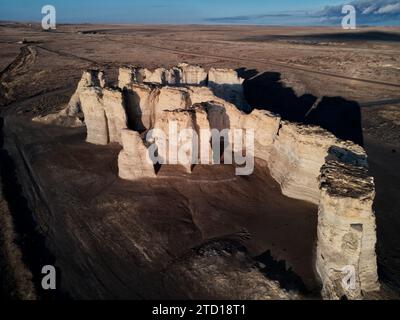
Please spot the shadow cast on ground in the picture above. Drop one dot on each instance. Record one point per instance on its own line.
(339, 116)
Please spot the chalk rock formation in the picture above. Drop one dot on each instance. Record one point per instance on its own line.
(203, 129)
(226, 84)
(95, 117)
(134, 161)
(127, 76)
(266, 126)
(308, 162)
(139, 101)
(192, 75)
(171, 98)
(145, 102)
(177, 143)
(185, 138)
(115, 113)
(297, 155)
(105, 114)
(346, 259)
(90, 78)
(183, 74)
(72, 116)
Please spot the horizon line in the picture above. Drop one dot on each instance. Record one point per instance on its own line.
(203, 24)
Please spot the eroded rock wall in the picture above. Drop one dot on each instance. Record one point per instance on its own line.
(104, 113)
(134, 161)
(90, 78)
(178, 128)
(224, 83)
(183, 74)
(95, 117)
(346, 259)
(308, 162)
(145, 102)
(297, 155)
(139, 101)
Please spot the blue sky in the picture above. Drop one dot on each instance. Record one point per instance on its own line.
(277, 12)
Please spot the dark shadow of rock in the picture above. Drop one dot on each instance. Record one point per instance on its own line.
(268, 93)
(276, 270)
(337, 36)
(232, 93)
(219, 146)
(31, 242)
(133, 110)
(335, 114)
(246, 73)
(339, 116)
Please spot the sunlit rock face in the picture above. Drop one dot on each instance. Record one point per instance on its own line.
(308, 162)
(95, 117)
(90, 78)
(297, 155)
(224, 83)
(105, 114)
(183, 74)
(346, 226)
(133, 160)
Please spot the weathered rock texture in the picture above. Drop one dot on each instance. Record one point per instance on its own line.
(72, 115)
(104, 113)
(308, 162)
(210, 269)
(227, 85)
(133, 160)
(346, 226)
(224, 83)
(183, 74)
(182, 119)
(297, 155)
(90, 78)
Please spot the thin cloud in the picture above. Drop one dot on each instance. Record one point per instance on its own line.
(254, 18)
(389, 9)
(229, 19)
(368, 11)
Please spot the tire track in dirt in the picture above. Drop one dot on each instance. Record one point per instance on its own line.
(67, 55)
(24, 59)
(380, 103)
(269, 63)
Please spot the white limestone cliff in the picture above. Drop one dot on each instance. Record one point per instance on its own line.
(134, 161)
(90, 78)
(297, 155)
(105, 115)
(224, 83)
(308, 162)
(346, 227)
(183, 74)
